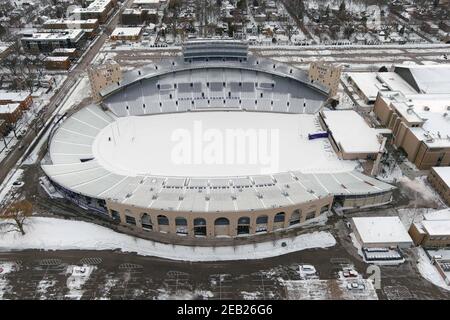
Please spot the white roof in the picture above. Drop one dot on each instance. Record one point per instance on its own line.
(370, 83)
(367, 83)
(62, 35)
(438, 215)
(56, 59)
(433, 110)
(444, 174)
(437, 227)
(9, 108)
(344, 124)
(13, 96)
(431, 78)
(121, 31)
(381, 230)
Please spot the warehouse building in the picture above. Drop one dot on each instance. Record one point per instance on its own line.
(380, 232)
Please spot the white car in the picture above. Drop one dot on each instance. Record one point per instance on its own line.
(307, 271)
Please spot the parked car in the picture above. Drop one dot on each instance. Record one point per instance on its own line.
(307, 271)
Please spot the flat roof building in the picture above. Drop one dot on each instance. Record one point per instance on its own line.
(126, 33)
(433, 231)
(46, 42)
(146, 4)
(70, 24)
(57, 63)
(420, 125)
(351, 136)
(368, 84)
(381, 232)
(99, 9)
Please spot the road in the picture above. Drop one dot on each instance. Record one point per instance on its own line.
(28, 139)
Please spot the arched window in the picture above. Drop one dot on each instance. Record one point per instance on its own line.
(181, 225)
(180, 221)
(222, 222)
(244, 220)
(262, 219)
(199, 227)
(279, 217)
(199, 222)
(163, 220)
(129, 219)
(295, 217)
(146, 222)
(243, 225)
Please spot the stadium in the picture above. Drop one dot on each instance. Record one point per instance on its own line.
(116, 157)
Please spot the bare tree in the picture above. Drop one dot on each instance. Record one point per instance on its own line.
(15, 216)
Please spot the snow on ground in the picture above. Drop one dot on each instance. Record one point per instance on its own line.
(410, 215)
(205, 144)
(79, 275)
(334, 289)
(7, 185)
(429, 272)
(164, 294)
(110, 283)
(81, 91)
(251, 295)
(356, 244)
(5, 268)
(420, 186)
(58, 234)
(43, 286)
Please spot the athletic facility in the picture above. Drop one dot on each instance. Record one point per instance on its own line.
(216, 143)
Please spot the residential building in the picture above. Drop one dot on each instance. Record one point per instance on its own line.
(126, 33)
(98, 9)
(46, 42)
(57, 63)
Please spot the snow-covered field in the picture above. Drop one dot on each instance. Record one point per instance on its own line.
(209, 144)
(58, 234)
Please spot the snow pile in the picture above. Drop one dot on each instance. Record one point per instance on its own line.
(57, 234)
(429, 272)
(43, 287)
(79, 276)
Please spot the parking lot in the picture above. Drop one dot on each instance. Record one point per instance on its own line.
(115, 275)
